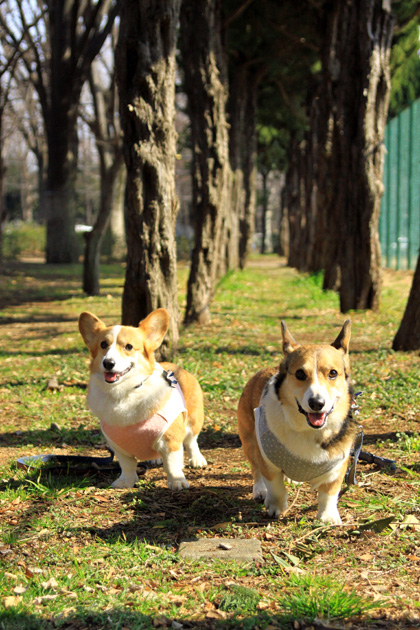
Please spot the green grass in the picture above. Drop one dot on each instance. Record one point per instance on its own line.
(76, 554)
(311, 598)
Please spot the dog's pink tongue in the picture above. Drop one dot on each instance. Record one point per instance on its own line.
(110, 377)
(317, 419)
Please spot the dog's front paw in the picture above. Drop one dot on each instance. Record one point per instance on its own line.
(274, 508)
(331, 517)
(197, 461)
(125, 482)
(178, 484)
(259, 490)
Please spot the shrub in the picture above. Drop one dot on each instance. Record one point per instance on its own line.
(23, 239)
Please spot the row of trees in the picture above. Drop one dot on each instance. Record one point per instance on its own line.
(267, 85)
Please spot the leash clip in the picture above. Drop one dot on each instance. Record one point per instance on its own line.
(354, 405)
(351, 474)
(169, 376)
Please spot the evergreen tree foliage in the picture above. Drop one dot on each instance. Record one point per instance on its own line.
(282, 43)
(405, 59)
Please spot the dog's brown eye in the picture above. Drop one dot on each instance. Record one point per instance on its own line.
(128, 347)
(300, 375)
(333, 374)
(104, 345)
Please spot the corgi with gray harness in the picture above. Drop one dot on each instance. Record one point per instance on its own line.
(296, 422)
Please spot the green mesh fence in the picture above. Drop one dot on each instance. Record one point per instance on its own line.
(399, 221)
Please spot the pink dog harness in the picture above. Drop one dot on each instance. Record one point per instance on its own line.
(139, 439)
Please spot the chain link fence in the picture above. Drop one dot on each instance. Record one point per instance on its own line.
(399, 222)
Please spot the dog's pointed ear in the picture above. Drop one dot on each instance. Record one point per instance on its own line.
(155, 327)
(89, 326)
(289, 344)
(343, 340)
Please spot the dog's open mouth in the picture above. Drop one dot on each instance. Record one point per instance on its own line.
(113, 377)
(314, 419)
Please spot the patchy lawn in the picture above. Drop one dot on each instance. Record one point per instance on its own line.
(77, 554)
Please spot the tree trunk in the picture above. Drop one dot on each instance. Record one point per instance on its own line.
(2, 216)
(360, 46)
(205, 73)
(334, 183)
(60, 117)
(107, 131)
(248, 134)
(408, 335)
(60, 191)
(294, 205)
(92, 258)
(146, 79)
(2, 174)
(263, 247)
(117, 224)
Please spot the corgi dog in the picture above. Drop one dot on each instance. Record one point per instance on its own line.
(296, 423)
(147, 410)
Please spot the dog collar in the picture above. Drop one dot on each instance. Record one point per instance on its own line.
(294, 467)
(168, 375)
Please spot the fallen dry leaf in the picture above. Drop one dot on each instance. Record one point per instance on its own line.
(51, 583)
(366, 556)
(20, 589)
(216, 614)
(12, 600)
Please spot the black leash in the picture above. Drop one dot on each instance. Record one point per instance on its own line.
(69, 460)
(75, 460)
(358, 454)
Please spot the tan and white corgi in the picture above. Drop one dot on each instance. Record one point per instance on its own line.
(296, 423)
(147, 410)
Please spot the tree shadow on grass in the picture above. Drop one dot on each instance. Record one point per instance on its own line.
(120, 618)
(148, 512)
(162, 517)
(38, 353)
(81, 437)
(78, 437)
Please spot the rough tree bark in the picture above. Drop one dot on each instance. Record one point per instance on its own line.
(205, 76)
(360, 44)
(336, 173)
(145, 59)
(408, 335)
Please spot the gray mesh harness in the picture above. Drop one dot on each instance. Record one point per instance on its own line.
(280, 457)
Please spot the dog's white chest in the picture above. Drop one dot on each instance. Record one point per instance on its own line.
(125, 404)
(278, 455)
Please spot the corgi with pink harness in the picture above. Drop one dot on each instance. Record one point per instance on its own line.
(147, 410)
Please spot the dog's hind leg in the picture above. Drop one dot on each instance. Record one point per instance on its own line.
(259, 489)
(171, 449)
(195, 458)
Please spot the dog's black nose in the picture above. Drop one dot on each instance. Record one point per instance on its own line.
(316, 403)
(108, 364)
